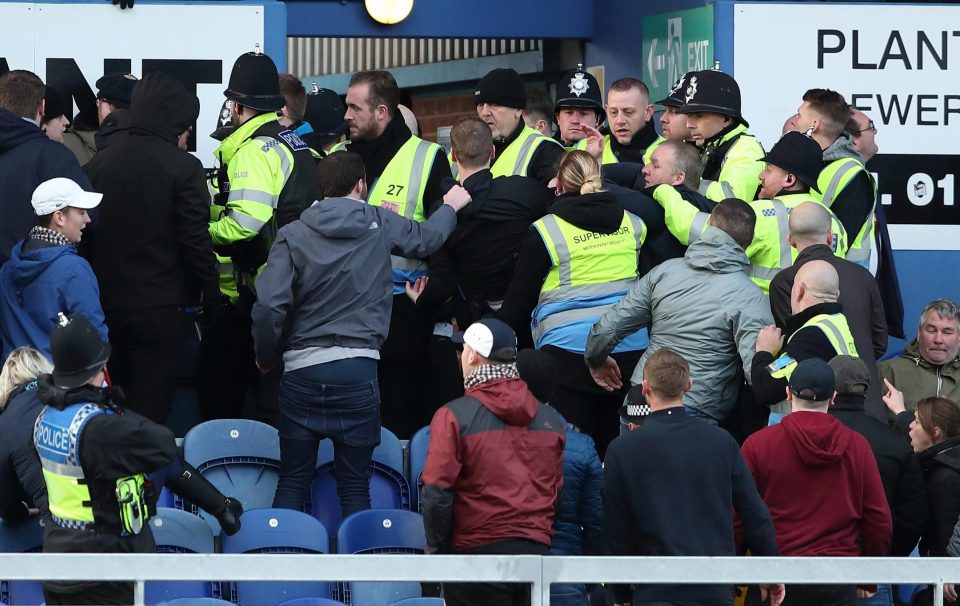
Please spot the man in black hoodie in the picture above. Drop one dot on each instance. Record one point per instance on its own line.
(27, 156)
(152, 252)
(405, 174)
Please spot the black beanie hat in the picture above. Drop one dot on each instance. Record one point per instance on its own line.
(56, 105)
(502, 86)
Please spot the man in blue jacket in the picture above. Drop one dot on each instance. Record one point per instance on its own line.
(44, 275)
(27, 156)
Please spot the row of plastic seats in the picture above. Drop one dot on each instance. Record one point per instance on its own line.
(242, 458)
(298, 602)
(263, 531)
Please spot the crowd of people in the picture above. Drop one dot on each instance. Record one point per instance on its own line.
(625, 340)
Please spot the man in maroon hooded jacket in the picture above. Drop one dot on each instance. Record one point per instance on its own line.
(821, 483)
(494, 466)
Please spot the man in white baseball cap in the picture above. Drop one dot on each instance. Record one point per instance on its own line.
(45, 275)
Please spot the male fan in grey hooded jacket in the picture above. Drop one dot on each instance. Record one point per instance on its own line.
(323, 309)
(703, 306)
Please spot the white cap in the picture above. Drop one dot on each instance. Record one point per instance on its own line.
(58, 193)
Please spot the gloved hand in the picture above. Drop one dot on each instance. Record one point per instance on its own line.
(229, 518)
(123, 3)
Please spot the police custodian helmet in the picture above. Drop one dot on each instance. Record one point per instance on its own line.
(798, 154)
(712, 91)
(578, 88)
(254, 83)
(78, 352)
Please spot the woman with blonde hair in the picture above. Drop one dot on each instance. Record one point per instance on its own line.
(575, 264)
(22, 491)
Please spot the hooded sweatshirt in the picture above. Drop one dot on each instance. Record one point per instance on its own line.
(494, 468)
(327, 282)
(820, 481)
(38, 283)
(152, 247)
(27, 159)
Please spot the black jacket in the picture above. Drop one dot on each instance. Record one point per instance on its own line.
(21, 479)
(27, 159)
(899, 471)
(115, 127)
(597, 212)
(477, 260)
(152, 247)
(807, 343)
(862, 304)
(941, 470)
(633, 151)
(378, 152)
(545, 160)
(670, 488)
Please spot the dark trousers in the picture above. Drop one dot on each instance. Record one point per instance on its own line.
(405, 370)
(337, 400)
(488, 594)
(811, 595)
(101, 593)
(147, 345)
(582, 402)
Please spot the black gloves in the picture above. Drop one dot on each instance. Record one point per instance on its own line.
(123, 3)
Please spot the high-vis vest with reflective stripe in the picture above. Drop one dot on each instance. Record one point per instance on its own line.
(737, 173)
(833, 179)
(590, 272)
(608, 156)
(649, 152)
(515, 159)
(400, 189)
(837, 331)
(56, 435)
(770, 250)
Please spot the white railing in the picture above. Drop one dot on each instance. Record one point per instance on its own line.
(538, 571)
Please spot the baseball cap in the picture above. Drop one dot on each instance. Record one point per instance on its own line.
(58, 193)
(813, 380)
(852, 375)
(490, 338)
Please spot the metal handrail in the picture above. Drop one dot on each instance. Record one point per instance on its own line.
(538, 571)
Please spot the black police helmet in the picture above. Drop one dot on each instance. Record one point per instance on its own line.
(254, 83)
(116, 89)
(78, 352)
(674, 98)
(577, 88)
(712, 91)
(224, 121)
(325, 113)
(798, 154)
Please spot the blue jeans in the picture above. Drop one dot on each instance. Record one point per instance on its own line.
(338, 400)
(883, 597)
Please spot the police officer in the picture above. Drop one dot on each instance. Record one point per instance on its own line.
(405, 176)
(788, 179)
(673, 125)
(520, 150)
(817, 329)
(845, 185)
(265, 180)
(323, 126)
(731, 157)
(102, 465)
(578, 103)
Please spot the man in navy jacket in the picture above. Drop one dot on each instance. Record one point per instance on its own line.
(27, 156)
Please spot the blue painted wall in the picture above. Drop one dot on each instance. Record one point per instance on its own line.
(448, 19)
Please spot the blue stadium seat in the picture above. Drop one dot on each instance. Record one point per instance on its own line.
(21, 538)
(240, 457)
(418, 458)
(419, 602)
(312, 602)
(277, 531)
(381, 531)
(388, 486)
(196, 602)
(176, 531)
(890, 355)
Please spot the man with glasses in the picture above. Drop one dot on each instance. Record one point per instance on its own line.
(864, 133)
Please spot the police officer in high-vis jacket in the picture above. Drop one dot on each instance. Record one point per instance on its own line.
(265, 180)
(103, 466)
(520, 150)
(732, 158)
(788, 180)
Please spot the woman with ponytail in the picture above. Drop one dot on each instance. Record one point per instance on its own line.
(575, 264)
